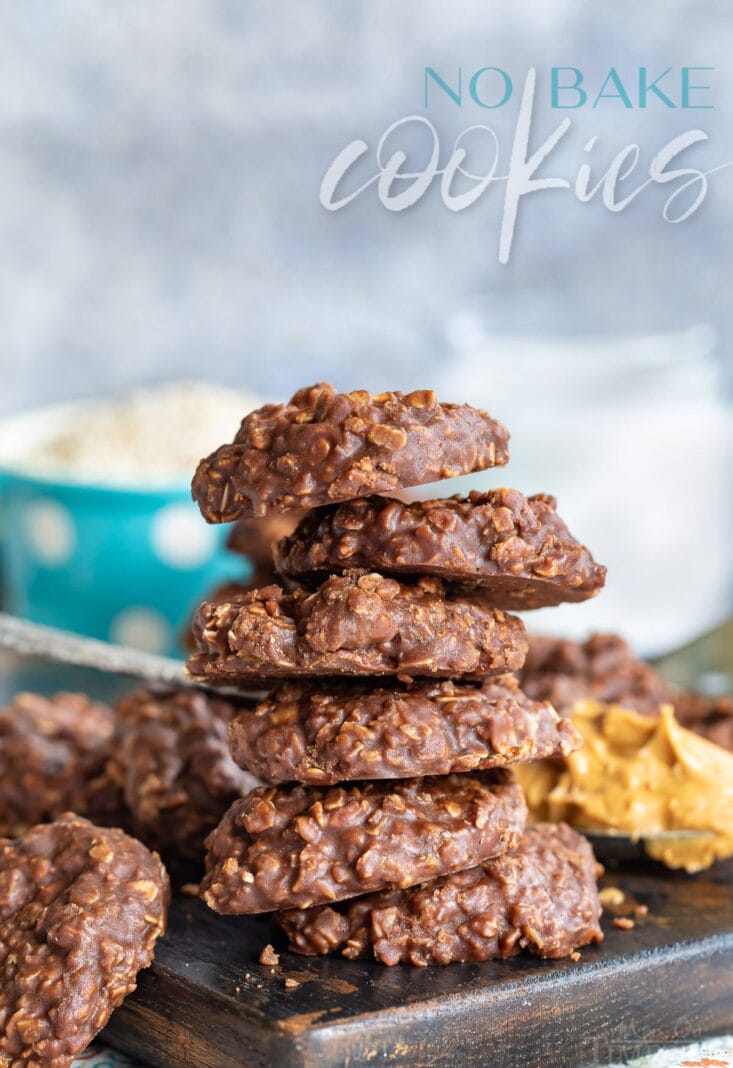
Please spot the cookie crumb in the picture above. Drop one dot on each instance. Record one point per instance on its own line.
(575, 956)
(290, 984)
(190, 889)
(612, 895)
(625, 923)
(269, 957)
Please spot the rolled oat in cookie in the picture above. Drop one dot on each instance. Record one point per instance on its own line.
(358, 623)
(541, 896)
(173, 766)
(81, 909)
(283, 848)
(223, 593)
(516, 550)
(325, 446)
(53, 755)
(332, 732)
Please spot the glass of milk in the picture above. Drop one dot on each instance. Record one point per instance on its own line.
(632, 434)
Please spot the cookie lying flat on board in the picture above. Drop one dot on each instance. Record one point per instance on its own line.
(325, 446)
(80, 911)
(358, 623)
(517, 550)
(284, 848)
(173, 767)
(541, 896)
(53, 754)
(329, 733)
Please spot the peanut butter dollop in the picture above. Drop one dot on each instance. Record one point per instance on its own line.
(640, 775)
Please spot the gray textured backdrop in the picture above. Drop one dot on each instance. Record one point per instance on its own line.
(159, 217)
(159, 168)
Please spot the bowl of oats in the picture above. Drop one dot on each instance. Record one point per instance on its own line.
(99, 531)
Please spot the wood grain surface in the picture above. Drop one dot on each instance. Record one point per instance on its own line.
(207, 1002)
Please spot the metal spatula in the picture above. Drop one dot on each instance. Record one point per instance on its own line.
(710, 656)
(34, 639)
(63, 647)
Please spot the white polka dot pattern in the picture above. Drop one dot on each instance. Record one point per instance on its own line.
(50, 531)
(180, 539)
(141, 628)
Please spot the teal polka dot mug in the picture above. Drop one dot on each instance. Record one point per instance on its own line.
(119, 563)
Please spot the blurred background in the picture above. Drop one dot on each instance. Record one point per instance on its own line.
(159, 220)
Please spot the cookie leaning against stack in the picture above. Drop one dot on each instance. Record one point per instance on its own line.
(397, 716)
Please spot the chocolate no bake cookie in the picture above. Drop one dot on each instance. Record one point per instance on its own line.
(711, 717)
(541, 896)
(80, 911)
(325, 446)
(603, 668)
(173, 767)
(283, 848)
(311, 733)
(517, 550)
(358, 623)
(53, 754)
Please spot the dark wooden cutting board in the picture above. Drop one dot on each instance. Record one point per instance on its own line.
(207, 1002)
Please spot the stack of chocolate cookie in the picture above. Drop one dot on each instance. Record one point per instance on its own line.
(387, 743)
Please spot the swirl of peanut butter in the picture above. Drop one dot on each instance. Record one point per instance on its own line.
(640, 775)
